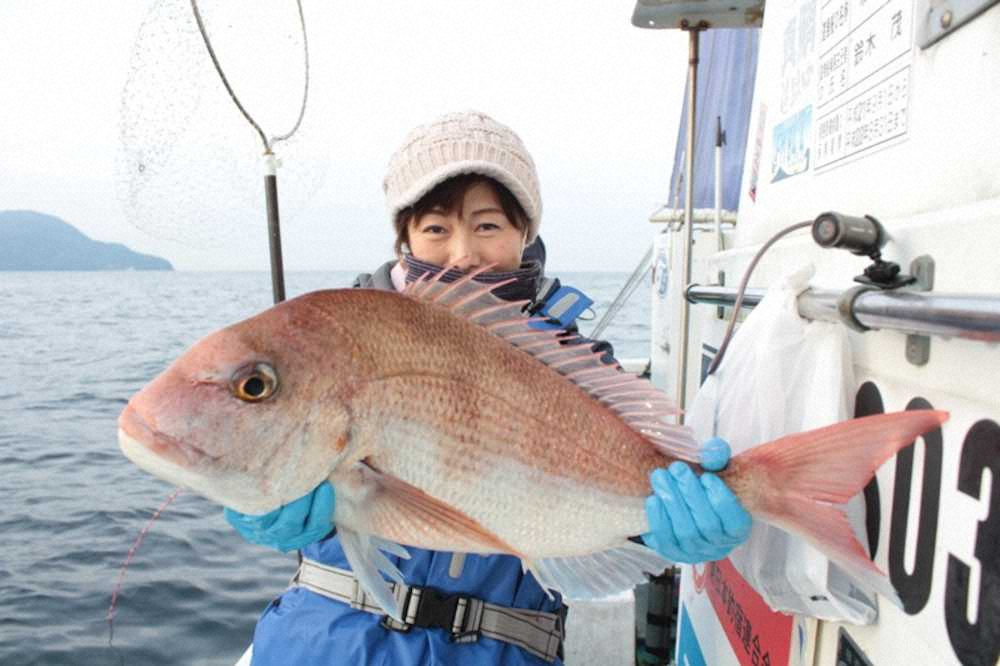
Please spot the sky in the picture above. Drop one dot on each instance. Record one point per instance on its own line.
(93, 88)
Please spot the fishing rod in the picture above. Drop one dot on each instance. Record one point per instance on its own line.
(271, 161)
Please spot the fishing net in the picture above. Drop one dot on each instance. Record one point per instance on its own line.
(190, 165)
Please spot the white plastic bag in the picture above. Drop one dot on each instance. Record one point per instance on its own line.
(781, 375)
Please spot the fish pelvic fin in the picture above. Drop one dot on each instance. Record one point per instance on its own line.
(364, 554)
(642, 406)
(599, 574)
(799, 482)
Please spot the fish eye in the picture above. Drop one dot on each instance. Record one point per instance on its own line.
(255, 383)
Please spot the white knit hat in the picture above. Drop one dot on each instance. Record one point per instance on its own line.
(460, 143)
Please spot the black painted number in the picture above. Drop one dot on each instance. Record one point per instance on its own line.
(915, 587)
(978, 642)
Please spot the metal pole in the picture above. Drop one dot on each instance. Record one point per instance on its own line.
(624, 294)
(274, 228)
(688, 212)
(720, 140)
(966, 316)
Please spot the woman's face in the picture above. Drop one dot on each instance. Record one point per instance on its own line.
(476, 234)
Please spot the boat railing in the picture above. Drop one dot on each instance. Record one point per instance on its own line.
(966, 316)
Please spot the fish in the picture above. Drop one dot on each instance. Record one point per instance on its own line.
(451, 420)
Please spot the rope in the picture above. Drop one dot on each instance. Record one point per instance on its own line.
(218, 68)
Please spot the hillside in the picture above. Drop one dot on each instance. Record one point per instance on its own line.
(31, 241)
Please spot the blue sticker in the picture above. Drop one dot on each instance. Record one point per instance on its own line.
(688, 649)
(661, 273)
(791, 146)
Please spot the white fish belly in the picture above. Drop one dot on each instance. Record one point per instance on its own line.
(539, 514)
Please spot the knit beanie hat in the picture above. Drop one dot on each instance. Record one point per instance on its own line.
(460, 143)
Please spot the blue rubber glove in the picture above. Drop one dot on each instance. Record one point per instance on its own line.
(292, 526)
(695, 519)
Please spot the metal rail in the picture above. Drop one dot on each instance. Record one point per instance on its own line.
(685, 322)
(968, 316)
(631, 284)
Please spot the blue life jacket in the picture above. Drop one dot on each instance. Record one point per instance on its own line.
(307, 629)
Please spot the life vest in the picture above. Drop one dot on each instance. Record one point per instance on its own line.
(306, 628)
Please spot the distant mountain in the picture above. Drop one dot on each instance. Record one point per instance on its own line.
(31, 241)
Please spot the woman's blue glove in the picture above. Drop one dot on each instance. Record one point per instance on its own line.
(292, 526)
(695, 519)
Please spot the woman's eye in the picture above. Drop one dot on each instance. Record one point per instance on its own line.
(434, 229)
(489, 226)
(256, 383)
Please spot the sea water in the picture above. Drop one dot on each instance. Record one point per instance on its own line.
(73, 348)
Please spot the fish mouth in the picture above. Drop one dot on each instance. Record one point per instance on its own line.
(137, 430)
(176, 463)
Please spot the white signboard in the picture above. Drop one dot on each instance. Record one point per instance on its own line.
(862, 90)
(872, 118)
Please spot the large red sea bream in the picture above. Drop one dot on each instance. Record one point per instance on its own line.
(446, 421)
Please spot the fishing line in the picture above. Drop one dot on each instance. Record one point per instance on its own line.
(128, 560)
(743, 287)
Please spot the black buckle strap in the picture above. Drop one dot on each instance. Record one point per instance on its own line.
(458, 614)
(466, 619)
(436, 609)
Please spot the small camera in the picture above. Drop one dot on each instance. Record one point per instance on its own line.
(863, 236)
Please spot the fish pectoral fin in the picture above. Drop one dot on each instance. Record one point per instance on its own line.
(364, 553)
(415, 511)
(598, 574)
(379, 499)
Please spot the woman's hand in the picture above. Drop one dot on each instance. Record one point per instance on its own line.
(695, 519)
(292, 526)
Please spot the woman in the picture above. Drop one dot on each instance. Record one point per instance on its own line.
(462, 192)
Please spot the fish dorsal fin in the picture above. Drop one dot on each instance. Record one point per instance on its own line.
(639, 404)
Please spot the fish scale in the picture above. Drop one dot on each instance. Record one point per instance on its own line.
(580, 430)
(583, 448)
(513, 507)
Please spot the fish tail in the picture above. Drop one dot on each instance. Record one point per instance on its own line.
(800, 482)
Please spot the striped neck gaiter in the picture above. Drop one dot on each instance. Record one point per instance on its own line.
(525, 286)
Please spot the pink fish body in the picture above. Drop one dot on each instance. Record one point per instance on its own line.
(445, 421)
